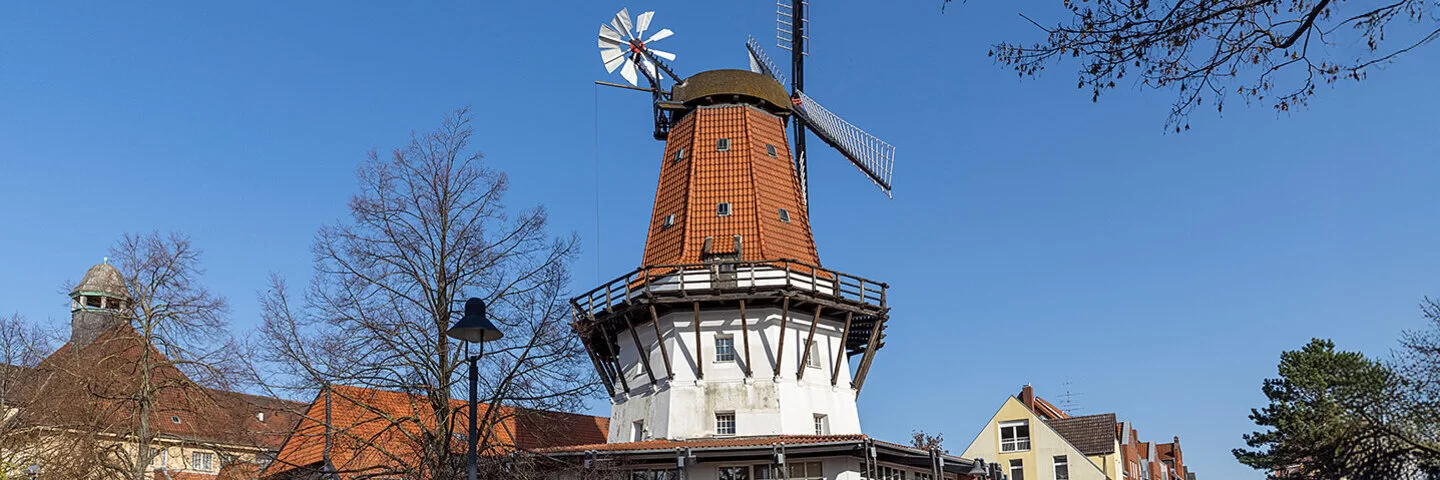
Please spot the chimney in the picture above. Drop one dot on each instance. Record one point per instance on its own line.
(1027, 397)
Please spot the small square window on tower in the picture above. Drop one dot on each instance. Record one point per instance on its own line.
(770, 150)
(822, 424)
(679, 155)
(722, 145)
(668, 222)
(725, 423)
(637, 431)
(723, 209)
(785, 215)
(724, 348)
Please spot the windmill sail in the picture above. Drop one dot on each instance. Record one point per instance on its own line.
(761, 63)
(871, 155)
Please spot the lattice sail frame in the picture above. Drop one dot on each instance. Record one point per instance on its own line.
(873, 156)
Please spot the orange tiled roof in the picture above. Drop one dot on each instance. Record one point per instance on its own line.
(104, 372)
(756, 185)
(708, 443)
(364, 440)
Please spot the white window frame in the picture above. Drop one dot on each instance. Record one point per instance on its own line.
(1017, 464)
(208, 465)
(822, 424)
(886, 472)
(784, 215)
(814, 360)
(1017, 443)
(728, 354)
(668, 222)
(637, 431)
(722, 145)
(771, 151)
(724, 209)
(723, 420)
(1062, 461)
(678, 156)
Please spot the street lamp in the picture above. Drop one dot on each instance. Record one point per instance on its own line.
(476, 328)
(978, 470)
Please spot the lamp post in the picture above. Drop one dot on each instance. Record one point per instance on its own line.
(978, 470)
(476, 328)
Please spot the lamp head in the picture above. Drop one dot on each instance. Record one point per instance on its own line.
(475, 326)
(978, 470)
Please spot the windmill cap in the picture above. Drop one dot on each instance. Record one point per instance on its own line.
(102, 279)
(728, 86)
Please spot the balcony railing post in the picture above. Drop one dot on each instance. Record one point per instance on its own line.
(862, 290)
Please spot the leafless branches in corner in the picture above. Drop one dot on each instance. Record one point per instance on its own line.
(1275, 52)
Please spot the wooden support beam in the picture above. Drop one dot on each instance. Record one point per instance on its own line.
(840, 352)
(620, 372)
(699, 352)
(615, 360)
(640, 349)
(599, 368)
(809, 345)
(745, 339)
(870, 349)
(784, 324)
(660, 338)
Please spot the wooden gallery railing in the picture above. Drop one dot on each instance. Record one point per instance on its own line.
(732, 276)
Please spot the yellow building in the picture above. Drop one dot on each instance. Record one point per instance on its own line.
(1032, 440)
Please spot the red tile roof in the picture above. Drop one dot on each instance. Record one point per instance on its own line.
(755, 185)
(1091, 434)
(99, 376)
(372, 431)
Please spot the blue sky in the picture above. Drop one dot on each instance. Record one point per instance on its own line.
(1034, 236)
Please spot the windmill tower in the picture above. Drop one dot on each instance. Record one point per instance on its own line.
(731, 326)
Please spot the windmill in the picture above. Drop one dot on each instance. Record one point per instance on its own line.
(730, 289)
(873, 156)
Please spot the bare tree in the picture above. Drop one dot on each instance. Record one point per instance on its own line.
(1271, 51)
(166, 347)
(22, 346)
(429, 228)
(924, 441)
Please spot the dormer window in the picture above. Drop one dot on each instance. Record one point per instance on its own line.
(785, 215)
(260, 416)
(770, 150)
(679, 155)
(174, 419)
(668, 222)
(723, 209)
(722, 145)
